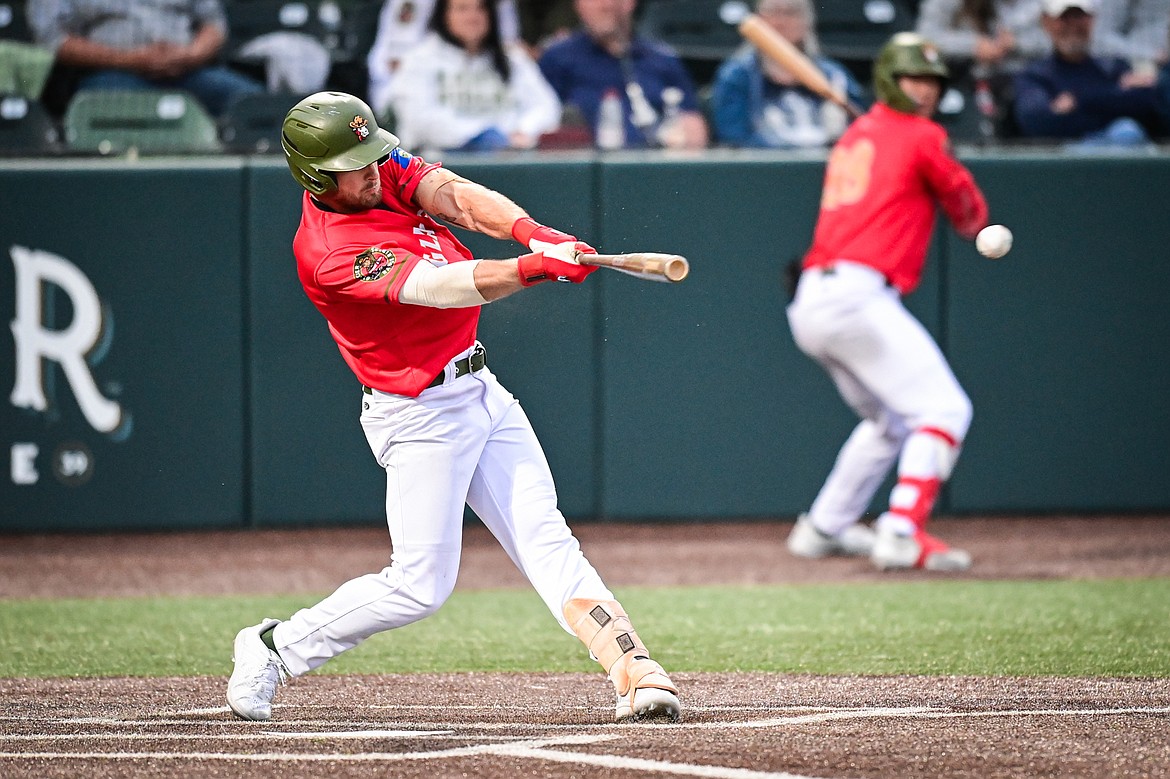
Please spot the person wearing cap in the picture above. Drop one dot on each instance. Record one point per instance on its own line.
(885, 180)
(1073, 96)
(402, 298)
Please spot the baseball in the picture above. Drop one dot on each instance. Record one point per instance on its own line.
(994, 241)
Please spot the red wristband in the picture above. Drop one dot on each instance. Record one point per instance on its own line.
(530, 267)
(523, 228)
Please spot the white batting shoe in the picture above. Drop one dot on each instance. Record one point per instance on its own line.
(921, 550)
(651, 698)
(258, 670)
(805, 540)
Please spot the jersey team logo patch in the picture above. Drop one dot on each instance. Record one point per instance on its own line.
(373, 264)
(360, 128)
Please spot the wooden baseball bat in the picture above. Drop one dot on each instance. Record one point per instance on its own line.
(645, 265)
(776, 47)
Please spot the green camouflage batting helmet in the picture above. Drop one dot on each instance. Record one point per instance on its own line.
(905, 54)
(330, 132)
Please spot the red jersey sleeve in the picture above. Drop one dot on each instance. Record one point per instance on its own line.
(953, 185)
(402, 173)
(364, 274)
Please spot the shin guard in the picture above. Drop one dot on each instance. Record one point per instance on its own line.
(605, 629)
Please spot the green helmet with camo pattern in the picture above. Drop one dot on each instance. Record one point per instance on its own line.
(331, 132)
(905, 54)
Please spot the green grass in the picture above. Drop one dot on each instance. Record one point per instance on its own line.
(1060, 628)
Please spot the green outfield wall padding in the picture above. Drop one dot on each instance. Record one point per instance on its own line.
(1064, 345)
(123, 361)
(164, 368)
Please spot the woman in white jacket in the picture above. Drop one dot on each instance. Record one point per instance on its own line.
(463, 89)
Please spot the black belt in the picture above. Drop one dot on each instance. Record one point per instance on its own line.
(476, 361)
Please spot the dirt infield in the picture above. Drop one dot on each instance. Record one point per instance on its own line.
(737, 726)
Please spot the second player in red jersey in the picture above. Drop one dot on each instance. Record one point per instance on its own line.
(885, 179)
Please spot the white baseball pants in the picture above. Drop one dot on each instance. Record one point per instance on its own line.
(891, 373)
(465, 441)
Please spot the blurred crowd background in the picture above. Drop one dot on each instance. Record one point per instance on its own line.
(80, 77)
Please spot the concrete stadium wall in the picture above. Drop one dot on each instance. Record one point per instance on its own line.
(167, 371)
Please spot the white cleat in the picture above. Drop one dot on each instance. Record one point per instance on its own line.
(921, 550)
(653, 698)
(258, 670)
(648, 704)
(805, 540)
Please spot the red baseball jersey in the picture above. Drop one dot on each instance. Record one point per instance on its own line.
(353, 267)
(883, 180)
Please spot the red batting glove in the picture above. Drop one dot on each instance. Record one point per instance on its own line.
(535, 268)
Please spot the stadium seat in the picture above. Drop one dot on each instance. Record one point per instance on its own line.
(959, 114)
(853, 31)
(346, 28)
(147, 121)
(695, 29)
(13, 24)
(26, 128)
(251, 124)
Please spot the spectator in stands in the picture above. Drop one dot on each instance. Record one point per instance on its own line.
(402, 24)
(1134, 30)
(605, 57)
(463, 89)
(1074, 96)
(999, 35)
(142, 44)
(758, 103)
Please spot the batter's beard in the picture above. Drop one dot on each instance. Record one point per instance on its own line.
(371, 196)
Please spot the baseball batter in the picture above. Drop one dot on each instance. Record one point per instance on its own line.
(884, 178)
(402, 298)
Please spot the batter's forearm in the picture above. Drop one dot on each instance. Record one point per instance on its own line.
(467, 204)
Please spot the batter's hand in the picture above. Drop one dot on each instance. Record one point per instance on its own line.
(538, 267)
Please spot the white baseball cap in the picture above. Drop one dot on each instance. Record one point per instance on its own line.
(1055, 8)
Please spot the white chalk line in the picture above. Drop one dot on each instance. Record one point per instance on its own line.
(540, 748)
(266, 734)
(533, 748)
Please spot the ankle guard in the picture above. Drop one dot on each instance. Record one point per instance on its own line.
(605, 628)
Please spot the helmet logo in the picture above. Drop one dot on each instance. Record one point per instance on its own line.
(373, 264)
(360, 128)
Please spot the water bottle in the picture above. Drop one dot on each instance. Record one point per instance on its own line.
(985, 102)
(670, 132)
(611, 122)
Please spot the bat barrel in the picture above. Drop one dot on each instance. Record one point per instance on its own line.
(676, 269)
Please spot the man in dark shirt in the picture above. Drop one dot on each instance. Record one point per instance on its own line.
(606, 57)
(1072, 95)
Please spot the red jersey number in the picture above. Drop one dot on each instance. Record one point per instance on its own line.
(850, 171)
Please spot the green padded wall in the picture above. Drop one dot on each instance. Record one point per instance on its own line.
(1064, 345)
(157, 248)
(651, 400)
